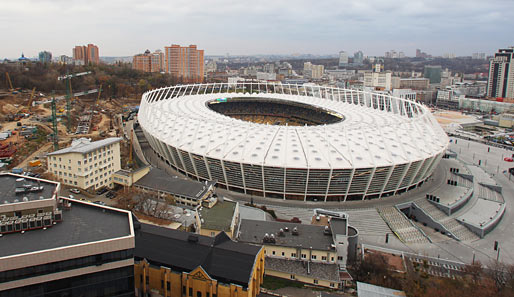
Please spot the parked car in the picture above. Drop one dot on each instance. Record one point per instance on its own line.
(101, 191)
(508, 159)
(99, 202)
(71, 196)
(75, 191)
(110, 194)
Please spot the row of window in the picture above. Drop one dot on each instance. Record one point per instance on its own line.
(313, 257)
(315, 281)
(168, 287)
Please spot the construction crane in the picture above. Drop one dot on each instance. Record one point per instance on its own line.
(29, 105)
(9, 82)
(67, 78)
(99, 93)
(55, 137)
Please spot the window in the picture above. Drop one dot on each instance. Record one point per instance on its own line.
(162, 284)
(283, 254)
(147, 280)
(304, 256)
(293, 255)
(168, 286)
(198, 294)
(323, 258)
(183, 290)
(273, 252)
(292, 276)
(331, 285)
(339, 258)
(78, 162)
(332, 259)
(212, 234)
(190, 291)
(316, 281)
(313, 257)
(207, 294)
(69, 161)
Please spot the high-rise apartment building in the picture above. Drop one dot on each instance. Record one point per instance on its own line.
(343, 59)
(433, 73)
(86, 54)
(149, 62)
(184, 63)
(501, 74)
(45, 57)
(358, 58)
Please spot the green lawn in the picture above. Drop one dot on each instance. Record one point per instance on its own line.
(273, 283)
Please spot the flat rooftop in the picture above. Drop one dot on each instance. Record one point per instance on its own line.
(253, 231)
(218, 217)
(483, 212)
(83, 223)
(159, 180)
(8, 187)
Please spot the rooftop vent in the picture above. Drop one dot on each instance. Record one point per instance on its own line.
(265, 238)
(327, 231)
(295, 231)
(272, 238)
(286, 229)
(281, 232)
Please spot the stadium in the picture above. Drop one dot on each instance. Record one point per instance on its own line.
(293, 142)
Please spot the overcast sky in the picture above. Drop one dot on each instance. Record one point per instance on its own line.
(128, 27)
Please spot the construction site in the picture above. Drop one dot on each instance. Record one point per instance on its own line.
(33, 123)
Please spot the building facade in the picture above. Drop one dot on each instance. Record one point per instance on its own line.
(175, 263)
(433, 73)
(86, 164)
(185, 63)
(86, 54)
(149, 62)
(501, 74)
(380, 80)
(343, 59)
(45, 57)
(55, 248)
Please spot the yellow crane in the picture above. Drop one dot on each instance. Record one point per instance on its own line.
(99, 93)
(29, 105)
(9, 82)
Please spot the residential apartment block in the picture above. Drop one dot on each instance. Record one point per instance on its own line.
(86, 54)
(149, 62)
(86, 164)
(184, 63)
(501, 74)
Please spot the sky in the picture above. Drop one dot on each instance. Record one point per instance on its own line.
(241, 27)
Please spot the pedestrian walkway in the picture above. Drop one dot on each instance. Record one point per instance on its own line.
(451, 224)
(402, 226)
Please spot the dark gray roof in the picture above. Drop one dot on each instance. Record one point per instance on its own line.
(84, 146)
(253, 231)
(158, 179)
(8, 186)
(223, 259)
(319, 271)
(338, 226)
(83, 223)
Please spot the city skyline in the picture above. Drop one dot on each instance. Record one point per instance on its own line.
(125, 28)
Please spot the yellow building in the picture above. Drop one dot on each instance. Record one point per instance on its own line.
(128, 177)
(175, 263)
(307, 253)
(86, 164)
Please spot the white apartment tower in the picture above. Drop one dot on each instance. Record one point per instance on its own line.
(501, 74)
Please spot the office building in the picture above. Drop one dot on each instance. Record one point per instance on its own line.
(358, 58)
(149, 62)
(85, 55)
(186, 64)
(159, 185)
(61, 247)
(478, 56)
(175, 263)
(45, 57)
(343, 59)
(501, 74)
(86, 164)
(414, 83)
(378, 80)
(433, 73)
